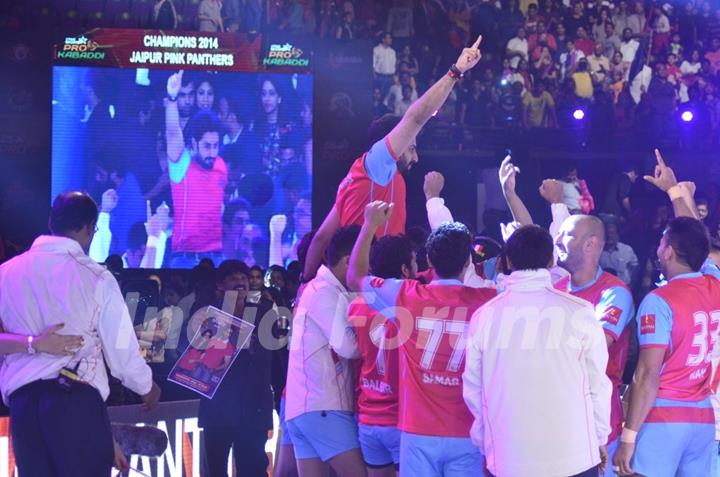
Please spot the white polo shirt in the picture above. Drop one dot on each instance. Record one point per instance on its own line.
(319, 371)
(55, 282)
(535, 380)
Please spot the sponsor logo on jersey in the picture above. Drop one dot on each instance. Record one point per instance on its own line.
(612, 315)
(647, 324)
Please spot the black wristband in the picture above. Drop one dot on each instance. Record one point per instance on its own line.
(170, 98)
(455, 72)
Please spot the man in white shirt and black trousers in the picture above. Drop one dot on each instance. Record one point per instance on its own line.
(534, 375)
(58, 417)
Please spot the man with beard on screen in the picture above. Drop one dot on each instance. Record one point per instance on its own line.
(198, 176)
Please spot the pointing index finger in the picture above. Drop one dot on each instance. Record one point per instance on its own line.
(476, 45)
(659, 158)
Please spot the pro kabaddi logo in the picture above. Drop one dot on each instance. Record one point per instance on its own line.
(80, 48)
(285, 55)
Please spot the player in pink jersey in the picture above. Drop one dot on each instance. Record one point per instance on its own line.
(198, 176)
(376, 175)
(377, 400)
(432, 321)
(669, 428)
(578, 246)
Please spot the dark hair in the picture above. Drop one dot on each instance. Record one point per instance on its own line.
(256, 268)
(203, 122)
(701, 200)
(448, 248)
(114, 263)
(137, 236)
(71, 211)
(231, 267)
(689, 239)
(233, 208)
(188, 78)
(381, 127)
(530, 248)
(341, 244)
(389, 254)
(714, 243)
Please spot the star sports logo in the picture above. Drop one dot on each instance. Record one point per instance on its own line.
(80, 48)
(285, 55)
(612, 315)
(647, 324)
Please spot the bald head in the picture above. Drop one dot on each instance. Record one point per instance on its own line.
(580, 243)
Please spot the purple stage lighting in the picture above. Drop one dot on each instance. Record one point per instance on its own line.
(578, 114)
(687, 116)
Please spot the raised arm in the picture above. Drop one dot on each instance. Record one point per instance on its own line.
(100, 245)
(507, 174)
(437, 212)
(376, 214)
(320, 242)
(681, 195)
(427, 105)
(173, 131)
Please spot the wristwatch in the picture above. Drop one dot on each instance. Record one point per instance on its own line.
(30, 348)
(171, 98)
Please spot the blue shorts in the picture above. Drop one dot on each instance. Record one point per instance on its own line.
(380, 445)
(716, 460)
(323, 434)
(670, 449)
(430, 456)
(284, 433)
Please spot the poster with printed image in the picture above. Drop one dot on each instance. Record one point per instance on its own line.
(211, 352)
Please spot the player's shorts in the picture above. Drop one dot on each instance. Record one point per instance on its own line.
(323, 434)
(612, 447)
(284, 433)
(380, 445)
(433, 455)
(669, 449)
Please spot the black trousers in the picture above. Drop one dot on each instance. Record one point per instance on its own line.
(588, 473)
(248, 447)
(59, 433)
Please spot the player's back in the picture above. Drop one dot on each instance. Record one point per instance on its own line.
(377, 398)
(433, 320)
(695, 306)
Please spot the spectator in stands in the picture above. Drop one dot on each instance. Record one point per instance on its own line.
(510, 106)
(395, 93)
(628, 47)
(618, 256)
(400, 22)
(661, 101)
(661, 28)
(620, 16)
(617, 203)
(346, 30)
(599, 64)
(619, 66)
(561, 39)
(540, 39)
(576, 18)
(403, 105)
(539, 107)
(379, 108)
(251, 15)
(517, 48)
(292, 17)
(384, 63)
(407, 63)
(713, 54)
(475, 108)
(611, 43)
(599, 29)
(703, 209)
(582, 42)
(637, 21)
(583, 81)
(510, 19)
(210, 16)
(164, 15)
